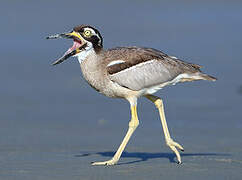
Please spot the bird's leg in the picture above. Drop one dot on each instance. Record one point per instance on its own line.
(133, 124)
(169, 141)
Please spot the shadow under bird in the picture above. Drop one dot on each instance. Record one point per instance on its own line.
(129, 73)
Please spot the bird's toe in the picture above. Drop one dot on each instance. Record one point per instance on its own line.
(104, 163)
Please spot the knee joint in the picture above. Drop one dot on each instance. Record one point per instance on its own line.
(158, 103)
(133, 124)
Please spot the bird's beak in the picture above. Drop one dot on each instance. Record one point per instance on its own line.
(78, 45)
(71, 35)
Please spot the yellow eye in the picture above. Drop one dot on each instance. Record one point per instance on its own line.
(87, 33)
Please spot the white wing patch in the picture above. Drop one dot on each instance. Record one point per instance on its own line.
(173, 57)
(115, 62)
(135, 66)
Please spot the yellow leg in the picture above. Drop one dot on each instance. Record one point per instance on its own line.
(169, 141)
(134, 122)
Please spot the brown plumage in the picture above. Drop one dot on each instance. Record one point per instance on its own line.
(129, 73)
(135, 55)
(163, 68)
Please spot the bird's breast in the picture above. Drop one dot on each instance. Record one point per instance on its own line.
(95, 74)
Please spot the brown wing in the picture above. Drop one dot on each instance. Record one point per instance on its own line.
(144, 67)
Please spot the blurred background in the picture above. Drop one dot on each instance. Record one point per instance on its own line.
(52, 124)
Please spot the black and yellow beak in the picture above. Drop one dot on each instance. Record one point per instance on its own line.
(71, 35)
(78, 45)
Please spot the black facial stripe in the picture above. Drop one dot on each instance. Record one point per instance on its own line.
(96, 39)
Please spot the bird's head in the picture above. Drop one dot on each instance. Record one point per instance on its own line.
(85, 38)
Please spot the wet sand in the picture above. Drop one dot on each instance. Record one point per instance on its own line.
(53, 125)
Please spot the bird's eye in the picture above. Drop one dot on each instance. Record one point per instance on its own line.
(87, 33)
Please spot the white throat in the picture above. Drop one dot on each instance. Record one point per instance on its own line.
(83, 54)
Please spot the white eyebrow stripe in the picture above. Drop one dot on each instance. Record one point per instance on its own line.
(115, 62)
(93, 32)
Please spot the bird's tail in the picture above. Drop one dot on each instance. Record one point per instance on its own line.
(197, 76)
(207, 77)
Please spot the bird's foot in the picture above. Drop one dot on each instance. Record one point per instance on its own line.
(105, 163)
(173, 145)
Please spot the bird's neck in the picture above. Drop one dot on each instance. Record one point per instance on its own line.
(92, 69)
(90, 50)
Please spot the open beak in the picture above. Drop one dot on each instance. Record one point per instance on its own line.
(78, 45)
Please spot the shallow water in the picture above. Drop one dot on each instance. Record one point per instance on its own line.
(50, 117)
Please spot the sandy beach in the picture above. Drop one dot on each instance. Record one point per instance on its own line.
(53, 125)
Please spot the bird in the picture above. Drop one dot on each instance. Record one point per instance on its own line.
(128, 73)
